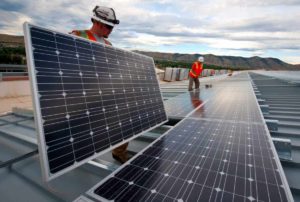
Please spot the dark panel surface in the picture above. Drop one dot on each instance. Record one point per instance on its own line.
(201, 161)
(234, 101)
(181, 105)
(89, 96)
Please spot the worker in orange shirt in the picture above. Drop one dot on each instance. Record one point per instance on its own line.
(195, 72)
(104, 19)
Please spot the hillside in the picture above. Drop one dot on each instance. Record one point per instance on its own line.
(11, 41)
(12, 51)
(226, 61)
(297, 66)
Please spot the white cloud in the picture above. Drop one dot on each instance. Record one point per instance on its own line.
(221, 26)
(11, 22)
(292, 59)
(234, 45)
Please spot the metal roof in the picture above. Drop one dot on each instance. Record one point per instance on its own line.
(281, 95)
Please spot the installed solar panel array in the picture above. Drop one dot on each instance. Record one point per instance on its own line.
(88, 97)
(204, 159)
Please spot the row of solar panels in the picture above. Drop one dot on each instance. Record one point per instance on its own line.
(220, 152)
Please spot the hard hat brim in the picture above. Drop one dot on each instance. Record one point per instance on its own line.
(103, 21)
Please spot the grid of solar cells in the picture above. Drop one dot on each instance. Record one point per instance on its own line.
(89, 96)
(200, 161)
(183, 104)
(233, 102)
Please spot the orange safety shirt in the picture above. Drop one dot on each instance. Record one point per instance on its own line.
(89, 35)
(196, 70)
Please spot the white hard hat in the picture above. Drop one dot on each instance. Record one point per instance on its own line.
(105, 15)
(201, 59)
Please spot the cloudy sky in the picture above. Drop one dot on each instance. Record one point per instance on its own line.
(266, 28)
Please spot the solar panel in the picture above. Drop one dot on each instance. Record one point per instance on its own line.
(88, 97)
(200, 161)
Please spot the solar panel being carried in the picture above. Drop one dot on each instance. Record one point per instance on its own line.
(88, 97)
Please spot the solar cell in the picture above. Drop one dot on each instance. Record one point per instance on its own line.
(88, 97)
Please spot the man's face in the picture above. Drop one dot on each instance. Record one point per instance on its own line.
(104, 29)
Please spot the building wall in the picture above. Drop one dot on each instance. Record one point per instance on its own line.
(14, 88)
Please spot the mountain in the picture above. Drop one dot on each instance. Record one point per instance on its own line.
(11, 40)
(226, 61)
(297, 66)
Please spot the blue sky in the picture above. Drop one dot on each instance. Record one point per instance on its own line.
(269, 28)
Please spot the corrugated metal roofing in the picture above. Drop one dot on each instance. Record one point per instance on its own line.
(282, 96)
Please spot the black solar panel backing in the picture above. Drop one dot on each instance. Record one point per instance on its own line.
(203, 159)
(88, 97)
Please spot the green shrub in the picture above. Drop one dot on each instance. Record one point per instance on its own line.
(12, 55)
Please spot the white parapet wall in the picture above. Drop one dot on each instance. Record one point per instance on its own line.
(14, 88)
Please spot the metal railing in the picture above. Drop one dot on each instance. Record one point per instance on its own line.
(8, 75)
(12, 67)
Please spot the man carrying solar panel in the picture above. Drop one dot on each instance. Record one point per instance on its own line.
(104, 19)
